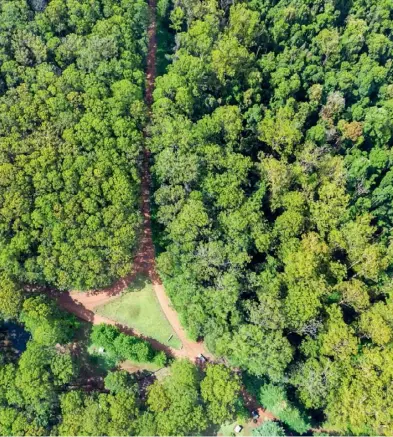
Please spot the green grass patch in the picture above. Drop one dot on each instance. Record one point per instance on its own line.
(139, 309)
(129, 364)
(229, 429)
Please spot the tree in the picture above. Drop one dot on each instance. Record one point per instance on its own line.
(268, 428)
(63, 368)
(338, 341)
(377, 323)
(72, 87)
(275, 240)
(281, 131)
(361, 402)
(354, 294)
(11, 298)
(272, 176)
(175, 402)
(263, 352)
(274, 398)
(220, 389)
(46, 322)
(315, 379)
(13, 422)
(118, 381)
(124, 412)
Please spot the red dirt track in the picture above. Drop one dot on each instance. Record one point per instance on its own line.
(83, 304)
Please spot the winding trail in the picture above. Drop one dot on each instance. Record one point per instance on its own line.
(83, 304)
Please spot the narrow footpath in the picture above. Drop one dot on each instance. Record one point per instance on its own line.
(83, 304)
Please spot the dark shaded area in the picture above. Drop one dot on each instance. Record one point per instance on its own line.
(13, 339)
(38, 5)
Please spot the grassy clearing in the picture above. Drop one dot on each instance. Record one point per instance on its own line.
(228, 430)
(139, 309)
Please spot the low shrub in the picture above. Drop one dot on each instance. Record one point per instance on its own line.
(125, 347)
(160, 359)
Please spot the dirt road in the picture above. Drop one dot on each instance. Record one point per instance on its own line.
(83, 304)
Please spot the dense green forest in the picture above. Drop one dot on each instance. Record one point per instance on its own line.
(272, 143)
(71, 118)
(271, 134)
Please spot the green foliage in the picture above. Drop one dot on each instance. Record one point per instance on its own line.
(271, 141)
(63, 368)
(268, 428)
(162, 8)
(47, 324)
(118, 381)
(187, 401)
(274, 398)
(104, 336)
(71, 88)
(220, 389)
(161, 359)
(362, 403)
(272, 162)
(98, 414)
(175, 402)
(124, 346)
(11, 299)
(30, 386)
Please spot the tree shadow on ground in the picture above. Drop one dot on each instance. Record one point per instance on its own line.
(140, 282)
(66, 302)
(91, 376)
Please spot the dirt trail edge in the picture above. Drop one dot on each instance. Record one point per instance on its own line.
(83, 304)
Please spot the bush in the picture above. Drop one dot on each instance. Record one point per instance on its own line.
(160, 359)
(142, 352)
(123, 346)
(274, 398)
(104, 336)
(269, 428)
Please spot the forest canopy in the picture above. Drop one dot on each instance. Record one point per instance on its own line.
(271, 137)
(272, 143)
(71, 118)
